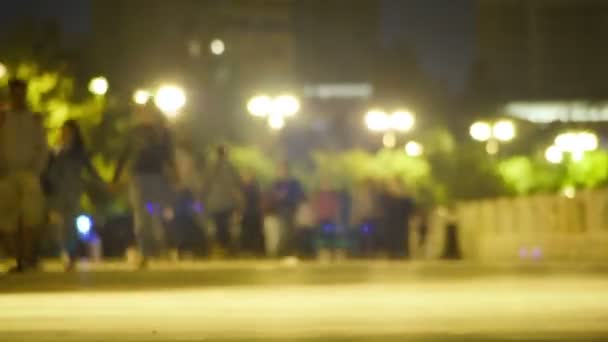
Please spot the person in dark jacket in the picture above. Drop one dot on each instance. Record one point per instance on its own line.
(397, 211)
(252, 236)
(67, 175)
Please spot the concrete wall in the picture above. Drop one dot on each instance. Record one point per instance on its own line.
(539, 227)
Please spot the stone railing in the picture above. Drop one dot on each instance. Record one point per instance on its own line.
(539, 227)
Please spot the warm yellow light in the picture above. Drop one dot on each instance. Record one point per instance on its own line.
(377, 121)
(170, 99)
(492, 147)
(569, 192)
(141, 97)
(389, 140)
(260, 105)
(99, 86)
(554, 155)
(287, 105)
(217, 47)
(276, 121)
(575, 142)
(414, 149)
(3, 70)
(402, 121)
(504, 130)
(578, 155)
(588, 141)
(481, 131)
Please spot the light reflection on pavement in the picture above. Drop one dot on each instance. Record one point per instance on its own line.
(519, 306)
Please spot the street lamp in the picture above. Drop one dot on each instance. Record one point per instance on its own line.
(554, 155)
(276, 109)
(504, 130)
(414, 149)
(575, 143)
(170, 99)
(141, 97)
(378, 120)
(99, 86)
(493, 134)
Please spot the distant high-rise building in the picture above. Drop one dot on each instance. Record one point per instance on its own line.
(543, 49)
(248, 42)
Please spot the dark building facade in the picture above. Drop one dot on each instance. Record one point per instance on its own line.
(543, 49)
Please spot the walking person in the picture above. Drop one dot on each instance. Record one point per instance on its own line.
(252, 235)
(288, 194)
(398, 209)
(149, 155)
(222, 197)
(23, 155)
(68, 172)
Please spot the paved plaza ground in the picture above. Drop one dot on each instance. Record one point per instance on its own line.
(273, 301)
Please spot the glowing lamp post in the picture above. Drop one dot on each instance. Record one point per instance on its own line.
(99, 86)
(141, 97)
(574, 143)
(400, 121)
(275, 109)
(502, 131)
(170, 99)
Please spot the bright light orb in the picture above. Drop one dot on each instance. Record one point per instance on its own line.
(141, 97)
(217, 47)
(569, 192)
(84, 224)
(260, 106)
(377, 121)
(3, 70)
(504, 130)
(554, 155)
(588, 141)
(276, 122)
(481, 131)
(402, 121)
(414, 149)
(389, 140)
(170, 99)
(99, 86)
(287, 105)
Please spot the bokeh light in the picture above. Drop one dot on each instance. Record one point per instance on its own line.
(217, 47)
(504, 130)
(481, 131)
(554, 154)
(260, 105)
(141, 97)
(276, 121)
(84, 224)
(389, 140)
(287, 105)
(3, 70)
(99, 85)
(170, 99)
(402, 121)
(414, 149)
(377, 121)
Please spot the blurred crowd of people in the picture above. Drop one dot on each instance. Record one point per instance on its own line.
(42, 188)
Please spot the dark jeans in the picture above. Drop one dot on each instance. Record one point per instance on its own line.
(22, 245)
(222, 221)
(252, 237)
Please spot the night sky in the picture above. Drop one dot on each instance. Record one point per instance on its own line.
(439, 31)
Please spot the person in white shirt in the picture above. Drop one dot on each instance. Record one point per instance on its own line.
(23, 155)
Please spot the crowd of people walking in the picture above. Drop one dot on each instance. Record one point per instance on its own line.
(40, 189)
